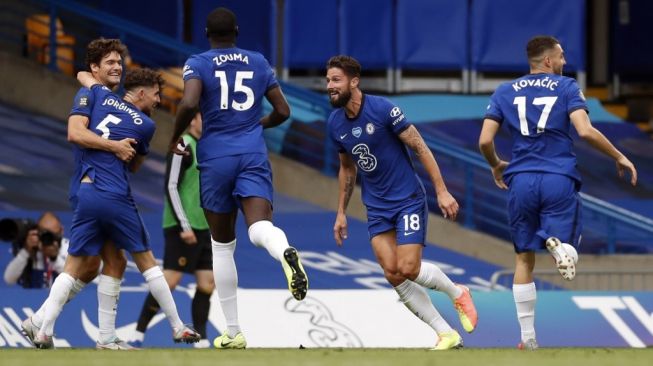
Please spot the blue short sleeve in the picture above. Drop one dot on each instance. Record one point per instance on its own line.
(83, 103)
(395, 118)
(271, 78)
(493, 111)
(575, 98)
(191, 69)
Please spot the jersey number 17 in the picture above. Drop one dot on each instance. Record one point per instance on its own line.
(547, 102)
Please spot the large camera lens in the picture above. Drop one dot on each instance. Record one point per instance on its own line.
(15, 229)
(48, 237)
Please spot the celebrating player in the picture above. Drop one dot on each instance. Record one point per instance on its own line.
(372, 135)
(105, 210)
(544, 207)
(104, 57)
(187, 238)
(229, 83)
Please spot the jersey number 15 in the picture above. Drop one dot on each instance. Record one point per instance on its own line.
(239, 87)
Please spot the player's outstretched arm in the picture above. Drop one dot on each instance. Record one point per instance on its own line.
(411, 138)
(486, 145)
(86, 79)
(186, 111)
(79, 134)
(347, 182)
(280, 108)
(594, 137)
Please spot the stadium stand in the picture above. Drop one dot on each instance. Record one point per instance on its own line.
(431, 41)
(494, 22)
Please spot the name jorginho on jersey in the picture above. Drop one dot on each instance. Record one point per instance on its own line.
(121, 106)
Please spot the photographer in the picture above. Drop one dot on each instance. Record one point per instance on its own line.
(38, 253)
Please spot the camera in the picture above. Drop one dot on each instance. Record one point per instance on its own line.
(15, 230)
(48, 238)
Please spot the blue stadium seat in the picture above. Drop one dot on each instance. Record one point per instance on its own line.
(310, 38)
(630, 46)
(367, 33)
(432, 35)
(256, 22)
(500, 30)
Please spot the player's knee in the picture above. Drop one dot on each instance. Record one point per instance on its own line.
(115, 266)
(409, 269)
(206, 288)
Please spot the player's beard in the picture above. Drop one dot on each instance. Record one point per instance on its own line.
(341, 100)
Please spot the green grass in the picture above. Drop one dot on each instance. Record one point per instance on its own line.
(328, 357)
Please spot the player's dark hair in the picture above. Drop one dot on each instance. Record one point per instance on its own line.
(348, 64)
(98, 48)
(538, 45)
(142, 77)
(221, 23)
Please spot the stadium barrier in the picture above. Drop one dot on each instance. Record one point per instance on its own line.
(586, 279)
(356, 318)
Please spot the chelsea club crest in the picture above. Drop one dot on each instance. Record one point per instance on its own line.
(369, 128)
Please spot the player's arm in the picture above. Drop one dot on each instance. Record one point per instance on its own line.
(280, 108)
(79, 134)
(186, 110)
(177, 166)
(411, 138)
(347, 182)
(86, 79)
(486, 145)
(594, 137)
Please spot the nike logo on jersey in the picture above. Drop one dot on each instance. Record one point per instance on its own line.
(342, 137)
(410, 233)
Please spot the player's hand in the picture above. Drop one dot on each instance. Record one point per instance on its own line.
(497, 172)
(188, 237)
(179, 147)
(124, 149)
(340, 229)
(624, 164)
(448, 205)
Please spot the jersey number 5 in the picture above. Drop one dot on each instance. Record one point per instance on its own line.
(102, 126)
(547, 102)
(238, 87)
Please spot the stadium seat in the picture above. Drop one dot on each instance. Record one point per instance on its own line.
(173, 89)
(310, 39)
(37, 27)
(500, 29)
(432, 45)
(366, 33)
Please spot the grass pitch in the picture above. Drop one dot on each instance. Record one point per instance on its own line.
(328, 357)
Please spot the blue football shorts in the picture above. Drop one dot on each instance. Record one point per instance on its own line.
(225, 180)
(541, 205)
(100, 216)
(408, 220)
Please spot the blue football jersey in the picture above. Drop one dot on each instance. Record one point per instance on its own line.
(536, 110)
(111, 118)
(234, 83)
(387, 174)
